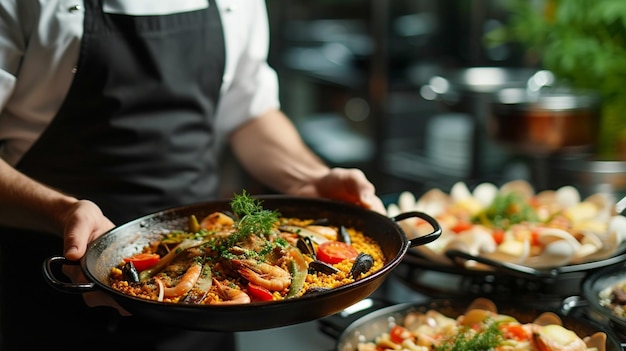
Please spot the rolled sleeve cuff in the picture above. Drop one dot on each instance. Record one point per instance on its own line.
(247, 101)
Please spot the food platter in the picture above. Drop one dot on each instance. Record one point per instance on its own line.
(370, 326)
(516, 230)
(125, 240)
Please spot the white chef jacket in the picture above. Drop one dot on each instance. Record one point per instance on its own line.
(39, 49)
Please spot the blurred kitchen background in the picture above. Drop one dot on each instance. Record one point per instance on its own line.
(410, 92)
(362, 81)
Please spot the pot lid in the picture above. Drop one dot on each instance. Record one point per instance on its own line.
(555, 99)
(484, 79)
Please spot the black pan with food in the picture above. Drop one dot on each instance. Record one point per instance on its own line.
(499, 277)
(595, 283)
(375, 323)
(128, 239)
(539, 274)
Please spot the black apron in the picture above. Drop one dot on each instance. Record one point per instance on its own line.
(135, 134)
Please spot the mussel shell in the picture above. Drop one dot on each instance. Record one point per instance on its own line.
(482, 303)
(485, 193)
(316, 290)
(343, 235)
(305, 244)
(130, 272)
(325, 268)
(304, 232)
(548, 318)
(520, 187)
(362, 264)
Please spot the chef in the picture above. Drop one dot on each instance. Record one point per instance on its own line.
(113, 109)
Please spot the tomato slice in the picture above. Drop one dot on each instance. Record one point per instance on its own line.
(143, 261)
(514, 331)
(462, 226)
(398, 334)
(498, 236)
(259, 293)
(534, 238)
(335, 251)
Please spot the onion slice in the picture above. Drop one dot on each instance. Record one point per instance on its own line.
(161, 287)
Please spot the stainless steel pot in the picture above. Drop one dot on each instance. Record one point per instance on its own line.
(544, 121)
(469, 91)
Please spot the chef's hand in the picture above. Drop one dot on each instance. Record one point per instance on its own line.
(84, 222)
(287, 165)
(346, 184)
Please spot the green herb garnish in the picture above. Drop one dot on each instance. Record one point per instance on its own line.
(507, 210)
(468, 339)
(252, 218)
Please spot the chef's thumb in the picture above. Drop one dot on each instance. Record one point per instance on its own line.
(74, 247)
(373, 202)
(76, 237)
(73, 253)
(84, 224)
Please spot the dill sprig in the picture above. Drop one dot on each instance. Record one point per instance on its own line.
(468, 339)
(244, 204)
(252, 218)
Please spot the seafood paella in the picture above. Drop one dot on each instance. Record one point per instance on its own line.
(249, 254)
(481, 327)
(515, 224)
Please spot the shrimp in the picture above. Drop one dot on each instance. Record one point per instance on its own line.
(263, 274)
(216, 220)
(292, 238)
(230, 295)
(186, 283)
(554, 337)
(329, 233)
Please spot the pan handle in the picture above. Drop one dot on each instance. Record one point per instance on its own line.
(333, 326)
(574, 306)
(572, 303)
(63, 285)
(511, 268)
(426, 238)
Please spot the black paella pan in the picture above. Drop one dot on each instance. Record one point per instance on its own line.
(125, 240)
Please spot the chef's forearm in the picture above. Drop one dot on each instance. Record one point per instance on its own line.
(25, 203)
(271, 150)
